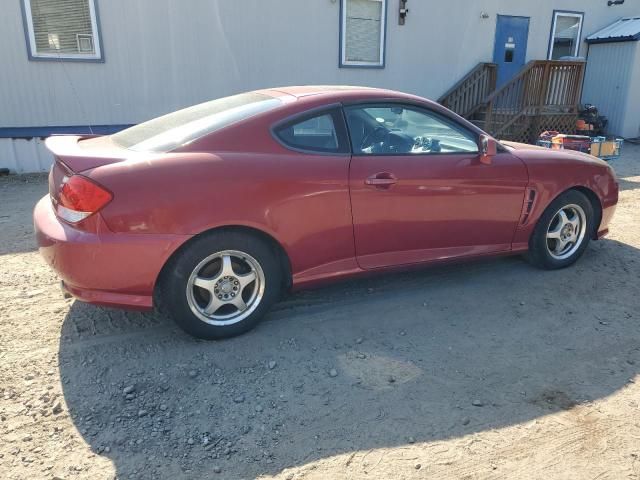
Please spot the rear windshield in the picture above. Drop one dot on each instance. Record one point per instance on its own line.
(179, 128)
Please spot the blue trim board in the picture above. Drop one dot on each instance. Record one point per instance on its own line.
(31, 132)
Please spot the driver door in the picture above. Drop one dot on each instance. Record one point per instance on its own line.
(419, 191)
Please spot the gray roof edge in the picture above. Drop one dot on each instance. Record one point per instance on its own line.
(626, 29)
(628, 38)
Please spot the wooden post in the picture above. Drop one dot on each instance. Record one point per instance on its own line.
(487, 117)
(542, 97)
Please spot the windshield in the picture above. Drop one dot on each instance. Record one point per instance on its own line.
(179, 128)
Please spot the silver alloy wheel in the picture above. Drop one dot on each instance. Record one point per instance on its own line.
(566, 231)
(225, 288)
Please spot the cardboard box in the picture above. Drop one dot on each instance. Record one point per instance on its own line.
(605, 149)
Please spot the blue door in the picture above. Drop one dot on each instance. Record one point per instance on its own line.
(510, 49)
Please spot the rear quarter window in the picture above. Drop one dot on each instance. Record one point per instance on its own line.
(314, 133)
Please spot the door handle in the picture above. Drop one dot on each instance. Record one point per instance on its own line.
(382, 179)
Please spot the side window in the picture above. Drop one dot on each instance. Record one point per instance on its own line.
(316, 133)
(401, 130)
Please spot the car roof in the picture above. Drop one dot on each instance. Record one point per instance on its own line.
(338, 92)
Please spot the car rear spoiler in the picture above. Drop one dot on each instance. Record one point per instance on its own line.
(67, 149)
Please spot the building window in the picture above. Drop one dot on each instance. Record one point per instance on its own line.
(62, 29)
(362, 33)
(566, 32)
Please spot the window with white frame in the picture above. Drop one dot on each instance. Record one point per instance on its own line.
(62, 29)
(362, 33)
(566, 32)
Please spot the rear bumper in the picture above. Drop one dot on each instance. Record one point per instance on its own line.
(103, 267)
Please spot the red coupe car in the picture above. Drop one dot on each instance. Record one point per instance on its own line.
(214, 211)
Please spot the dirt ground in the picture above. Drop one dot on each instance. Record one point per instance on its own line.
(486, 370)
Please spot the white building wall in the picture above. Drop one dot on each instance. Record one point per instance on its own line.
(609, 82)
(161, 55)
(22, 155)
(632, 118)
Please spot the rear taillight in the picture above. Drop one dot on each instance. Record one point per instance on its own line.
(80, 197)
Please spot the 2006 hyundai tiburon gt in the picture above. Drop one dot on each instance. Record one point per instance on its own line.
(215, 210)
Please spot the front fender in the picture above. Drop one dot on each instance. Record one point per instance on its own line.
(552, 175)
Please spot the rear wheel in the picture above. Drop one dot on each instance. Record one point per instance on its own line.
(221, 284)
(563, 231)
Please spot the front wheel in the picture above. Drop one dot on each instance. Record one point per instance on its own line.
(563, 231)
(221, 284)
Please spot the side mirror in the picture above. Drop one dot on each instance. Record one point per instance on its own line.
(488, 149)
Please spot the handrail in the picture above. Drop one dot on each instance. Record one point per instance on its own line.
(469, 92)
(470, 73)
(540, 85)
(526, 69)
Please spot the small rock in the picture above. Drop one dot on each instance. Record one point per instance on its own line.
(359, 340)
(466, 421)
(402, 333)
(631, 362)
(130, 396)
(142, 413)
(28, 438)
(412, 440)
(57, 408)
(361, 355)
(193, 373)
(417, 466)
(603, 323)
(190, 441)
(477, 403)
(272, 364)
(107, 449)
(128, 390)
(333, 372)
(216, 469)
(238, 398)
(522, 304)
(259, 408)
(163, 407)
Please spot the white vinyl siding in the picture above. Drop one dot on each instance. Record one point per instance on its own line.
(65, 29)
(363, 30)
(566, 34)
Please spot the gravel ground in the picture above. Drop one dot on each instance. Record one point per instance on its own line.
(486, 370)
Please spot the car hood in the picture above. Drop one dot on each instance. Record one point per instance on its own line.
(529, 153)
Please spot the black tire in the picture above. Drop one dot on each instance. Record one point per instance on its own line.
(174, 282)
(539, 253)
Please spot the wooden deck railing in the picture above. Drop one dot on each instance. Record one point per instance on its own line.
(543, 87)
(467, 95)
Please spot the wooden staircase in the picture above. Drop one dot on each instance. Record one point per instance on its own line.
(544, 96)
